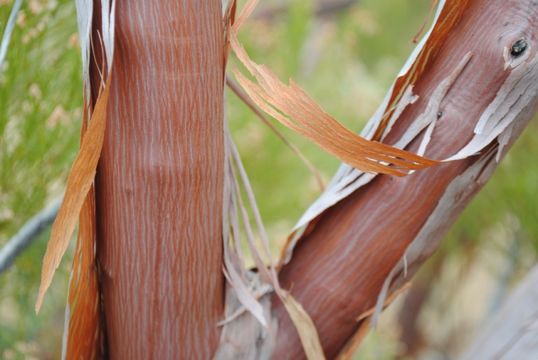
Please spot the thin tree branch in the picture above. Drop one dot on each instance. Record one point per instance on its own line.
(6, 36)
(27, 234)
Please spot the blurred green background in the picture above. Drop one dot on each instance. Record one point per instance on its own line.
(346, 58)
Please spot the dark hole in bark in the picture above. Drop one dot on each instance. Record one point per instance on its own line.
(518, 48)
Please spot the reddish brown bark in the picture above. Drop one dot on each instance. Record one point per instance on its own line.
(338, 269)
(160, 180)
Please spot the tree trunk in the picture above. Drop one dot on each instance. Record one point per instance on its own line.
(340, 265)
(160, 182)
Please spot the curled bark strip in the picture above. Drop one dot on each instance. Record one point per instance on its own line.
(341, 187)
(241, 95)
(79, 182)
(83, 318)
(82, 173)
(292, 107)
(82, 333)
(304, 325)
(447, 16)
(237, 276)
(347, 179)
(82, 338)
(233, 202)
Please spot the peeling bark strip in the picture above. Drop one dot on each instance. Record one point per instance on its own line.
(293, 108)
(82, 173)
(159, 182)
(244, 337)
(372, 230)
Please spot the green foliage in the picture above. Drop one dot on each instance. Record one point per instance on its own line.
(40, 102)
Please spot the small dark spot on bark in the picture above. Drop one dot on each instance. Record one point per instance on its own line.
(506, 23)
(259, 342)
(439, 115)
(519, 48)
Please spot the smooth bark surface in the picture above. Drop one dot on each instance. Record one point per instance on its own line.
(338, 269)
(160, 180)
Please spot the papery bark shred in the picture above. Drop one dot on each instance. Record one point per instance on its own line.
(79, 182)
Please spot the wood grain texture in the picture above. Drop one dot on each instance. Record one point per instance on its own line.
(339, 267)
(160, 180)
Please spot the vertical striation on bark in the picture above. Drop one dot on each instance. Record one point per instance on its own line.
(159, 182)
(339, 267)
